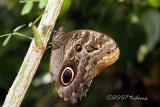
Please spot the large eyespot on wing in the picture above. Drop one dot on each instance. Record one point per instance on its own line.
(72, 90)
(67, 76)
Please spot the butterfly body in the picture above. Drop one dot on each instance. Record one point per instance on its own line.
(76, 58)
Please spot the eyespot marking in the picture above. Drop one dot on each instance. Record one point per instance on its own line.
(78, 48)
(67, 76)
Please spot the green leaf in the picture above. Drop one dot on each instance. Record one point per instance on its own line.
(150, 20)
(27, 7)
(7, 40)
(42, 3)
(18, 28)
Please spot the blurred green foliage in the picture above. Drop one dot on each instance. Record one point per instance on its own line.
(27, 7)
(133, 24)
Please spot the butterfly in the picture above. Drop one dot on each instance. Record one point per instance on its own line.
(76, 58)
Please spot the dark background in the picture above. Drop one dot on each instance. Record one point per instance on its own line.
(133, 24)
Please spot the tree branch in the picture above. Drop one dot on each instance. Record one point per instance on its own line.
(32, 59)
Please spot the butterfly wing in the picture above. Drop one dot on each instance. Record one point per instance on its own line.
(75, 64)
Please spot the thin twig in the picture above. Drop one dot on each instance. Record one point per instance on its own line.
(16, 33)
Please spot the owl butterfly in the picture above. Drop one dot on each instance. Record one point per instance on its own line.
(76, 58)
